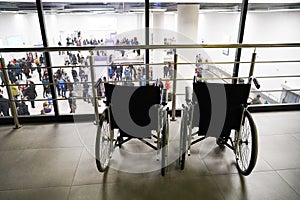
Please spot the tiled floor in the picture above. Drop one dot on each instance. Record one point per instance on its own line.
(56, 161)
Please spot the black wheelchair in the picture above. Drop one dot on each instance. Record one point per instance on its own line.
(135, 113)
(220, 110)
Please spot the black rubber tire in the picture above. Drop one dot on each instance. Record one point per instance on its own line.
(182, 143)
(103, 135)
(248, 129)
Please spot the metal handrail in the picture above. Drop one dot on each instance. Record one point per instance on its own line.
(130, 47)
(82, 48)
(182, 63)
(256, 91)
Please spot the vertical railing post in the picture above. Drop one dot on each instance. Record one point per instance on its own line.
(174, 88)
(238, 52)
(147, 53)
(95, 96)
(13, 107)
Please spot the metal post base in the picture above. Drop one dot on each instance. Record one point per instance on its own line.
(18, 126)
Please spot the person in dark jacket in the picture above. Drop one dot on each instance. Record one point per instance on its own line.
(22, 108)
(74, 74)
(4, 105)
(2, 78)
(72, 102)
(30, 93)
(85, 89)
(18, 71)
(69, 85)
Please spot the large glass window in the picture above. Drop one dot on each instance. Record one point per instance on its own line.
(75, 72)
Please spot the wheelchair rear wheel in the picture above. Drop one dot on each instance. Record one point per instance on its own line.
(182, 142)
(104, 144)
(246, 145)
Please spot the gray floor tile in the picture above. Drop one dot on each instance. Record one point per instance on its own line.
(260, 185)
(292, 177)
(297, 136)
(38, 168)
(261, 165)
(272, 123)
(280, 151)
(16, 139)
(52, 193)
(217, 160)
(87, 172)
(58, 136)
(156, 188)
(86, 132)
(43, 161)
(194, 167)
(91, 192)
(49, 136)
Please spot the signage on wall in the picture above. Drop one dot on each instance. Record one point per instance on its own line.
(225, 51)
(14, 41)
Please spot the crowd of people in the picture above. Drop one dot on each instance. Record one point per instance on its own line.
(27, 73)
(118, 72)
(19, 72)
(71, 82)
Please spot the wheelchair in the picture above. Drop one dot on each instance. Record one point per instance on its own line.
(135, 113)
(220, 110)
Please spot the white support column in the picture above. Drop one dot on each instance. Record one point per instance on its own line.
(140, 20)
(187, 21)
(158, 20)
(187, 33)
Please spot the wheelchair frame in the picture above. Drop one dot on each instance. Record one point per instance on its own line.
(245, 137)
(106, 141)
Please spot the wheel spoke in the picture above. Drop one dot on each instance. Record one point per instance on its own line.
(103, 144)
(246, 145)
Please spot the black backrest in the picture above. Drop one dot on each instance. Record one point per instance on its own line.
(140, 101)
(227, 100)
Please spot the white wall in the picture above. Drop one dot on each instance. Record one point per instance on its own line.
(274, 27)
(218, 28)
(25, 26)
(170, 21)
(261, 27)
(91, 26)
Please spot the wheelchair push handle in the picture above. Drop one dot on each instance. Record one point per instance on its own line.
(256, 83)
(188, 94)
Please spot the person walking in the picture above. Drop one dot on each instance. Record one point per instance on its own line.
(62, 86)
(22, 108)
(30, 93)
(4, 105)
(72, 102)
(85, 89)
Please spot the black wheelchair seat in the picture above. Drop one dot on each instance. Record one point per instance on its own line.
(134, 107)
(219, 104)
